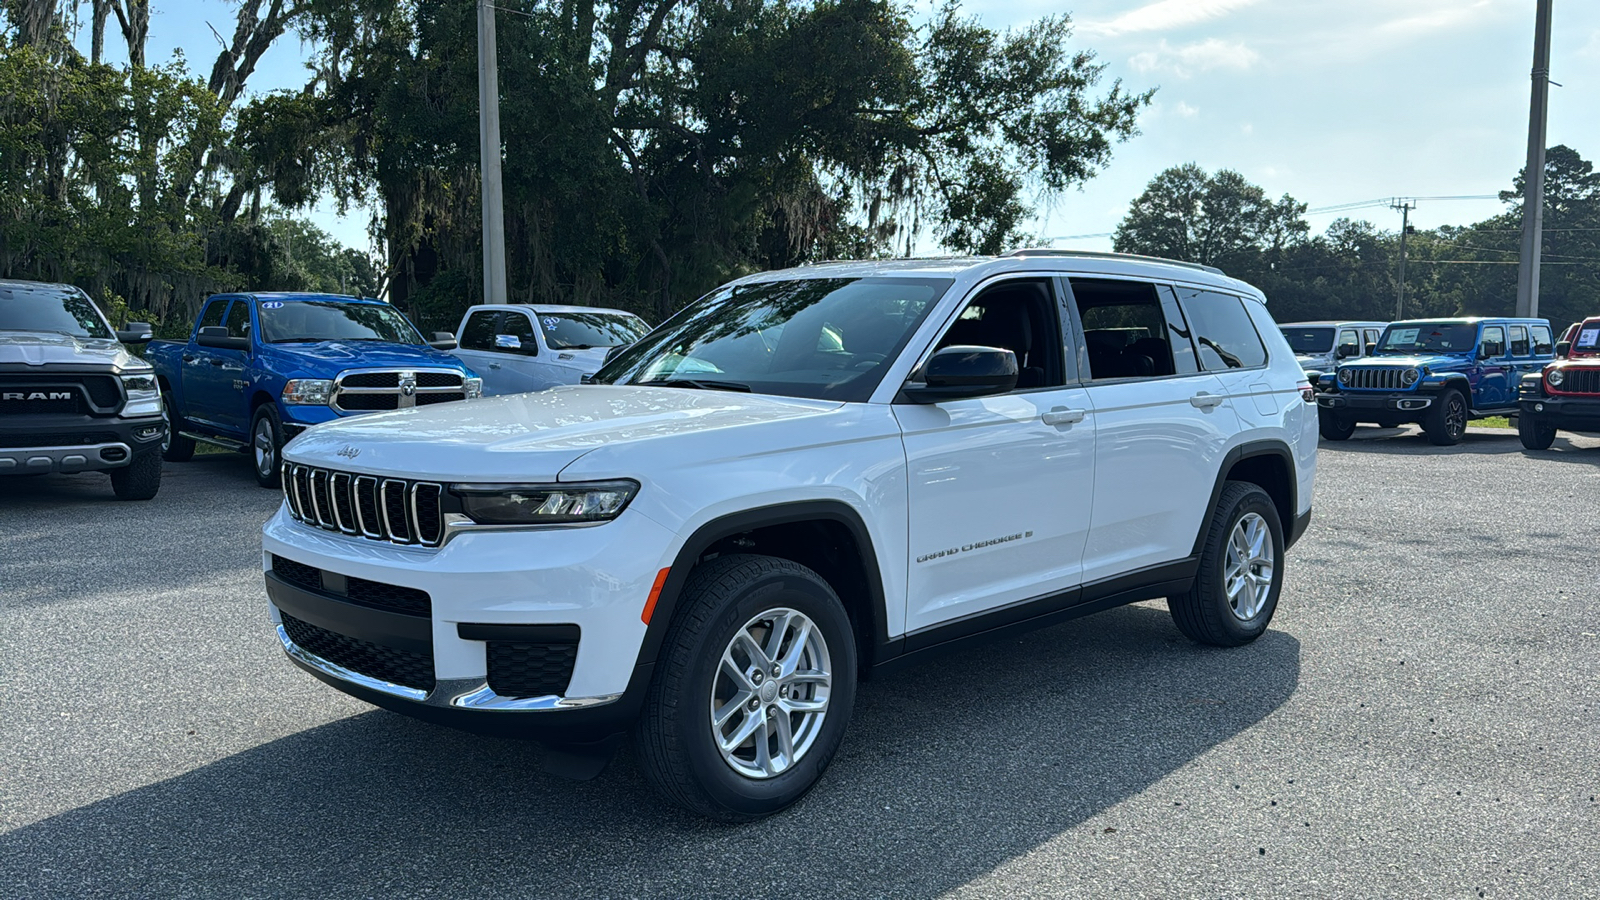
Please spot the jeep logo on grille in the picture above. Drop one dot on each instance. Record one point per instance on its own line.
(348, 452)
(36, 395)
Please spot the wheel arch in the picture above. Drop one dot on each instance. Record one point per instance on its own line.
(1268, 464)
(259, 399)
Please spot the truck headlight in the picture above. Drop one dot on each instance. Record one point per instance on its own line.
(144, 395)
(474, 387)
(308, 391)
(545, 504)
(1556, 376)
(1409, 377)
(1345, 375)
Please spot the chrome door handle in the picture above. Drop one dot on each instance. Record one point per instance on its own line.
(494, 365)
(1204, 400)
(1060, 415)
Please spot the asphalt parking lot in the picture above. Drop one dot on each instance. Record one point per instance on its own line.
(1423, 720)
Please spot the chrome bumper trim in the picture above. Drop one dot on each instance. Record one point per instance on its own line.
(78, 458)
(319, 664)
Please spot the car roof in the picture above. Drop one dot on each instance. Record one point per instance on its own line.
(1331, 323)
(304, 295)
(558, 308)
(1475, 320)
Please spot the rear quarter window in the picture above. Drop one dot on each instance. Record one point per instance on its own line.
(1223, 333)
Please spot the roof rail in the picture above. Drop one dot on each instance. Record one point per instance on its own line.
(1096, 254)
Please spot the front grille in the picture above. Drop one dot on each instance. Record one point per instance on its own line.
(376, 594)
(518, 669)
(98, 395)
(300, 574)
(62, 439)
(414, 670)
(1579, 381)
(1375, 379)
(383, 509)
(374, 391)
(59, 401)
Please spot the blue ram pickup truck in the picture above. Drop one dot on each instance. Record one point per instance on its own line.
(1436, 372)
(259, 369)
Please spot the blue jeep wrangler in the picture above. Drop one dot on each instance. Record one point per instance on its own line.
(1435, 372)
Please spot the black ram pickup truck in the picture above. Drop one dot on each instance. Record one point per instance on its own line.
(72, 398)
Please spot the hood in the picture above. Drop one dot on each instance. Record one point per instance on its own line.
(1431, 360)
(46, 348)
(370, 354)
(531, 437)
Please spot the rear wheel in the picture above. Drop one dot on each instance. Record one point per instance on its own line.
(753, 689)
(1236, 590)
(1335, 426)
(139, 479)
(1535, 433)
(1446, 422)
(174, 447)
(266, 443)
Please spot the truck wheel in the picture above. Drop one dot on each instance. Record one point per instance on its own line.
(139, 479)
(752, 691)
(174, 447)
(1446, 422)
(1335, 426)
(1236, 590)
(266, 443)
(1535, 434)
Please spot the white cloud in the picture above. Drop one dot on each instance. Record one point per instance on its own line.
(1201, 56)
(1438, 19)
(1185, 110)
(1164, 15)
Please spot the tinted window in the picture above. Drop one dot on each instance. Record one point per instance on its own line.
(1310, 340)
(825, 338)
(212, 317)
(479, 332)
(1372, 337)
(1541, 340)
(1350, 339)
(1428, 337)
(1496, 336)
(583, 330)
(518, 325)
(1128, 332)
(309, 321)
(1020, 316)
(50, 308)
(239, 319)
(1519, 340)
(1223, 333)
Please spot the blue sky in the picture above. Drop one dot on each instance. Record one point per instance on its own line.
(1332, 101)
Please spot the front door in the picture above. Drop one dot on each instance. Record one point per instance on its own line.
(214, 380)
(1000, 488)
(1495, 370)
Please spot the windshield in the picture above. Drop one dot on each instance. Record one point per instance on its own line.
(823, 338)
(305, 321)
(1309, 340)
(50, 308)
(583, 330)
(1587, 340)
(1429, 337)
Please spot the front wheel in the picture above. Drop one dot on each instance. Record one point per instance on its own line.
(1446, 422)
(139, 479)
(1534, 433)
(174, 447)
(1335, 426)
(753, 689)
(266, 443)
(1236, 590)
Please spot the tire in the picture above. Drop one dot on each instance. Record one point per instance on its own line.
(139, 479)
(674, 736)
(266, 446)
(1207, 614)
(1446, 422)
(1335, 427)
(1534, 433)
(175, 447)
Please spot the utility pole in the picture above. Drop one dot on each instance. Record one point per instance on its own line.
(1533, 174)
(494, 217)
(1405, 207)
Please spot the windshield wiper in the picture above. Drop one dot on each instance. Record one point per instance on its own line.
(698, 383)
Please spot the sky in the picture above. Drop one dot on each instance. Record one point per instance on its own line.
(1330, 101)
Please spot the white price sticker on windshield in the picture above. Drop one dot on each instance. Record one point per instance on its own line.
(1404, 336)
(1588, 337)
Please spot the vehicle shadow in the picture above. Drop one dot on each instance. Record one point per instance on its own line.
(25, 492)
(1412, 442)
(948, 770)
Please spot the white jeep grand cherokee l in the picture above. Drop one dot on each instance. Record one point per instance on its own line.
(801, 478)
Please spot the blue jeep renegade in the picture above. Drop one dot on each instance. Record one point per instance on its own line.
(1436, 372)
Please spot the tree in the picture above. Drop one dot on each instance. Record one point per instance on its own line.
(1220, 220)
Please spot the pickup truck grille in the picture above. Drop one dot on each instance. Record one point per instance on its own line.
(395, 510)
(48, 393)
(1579, 381)
(372, 390)
(1375, 379)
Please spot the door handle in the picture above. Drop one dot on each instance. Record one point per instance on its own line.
(1061, 415)
(1204, 400)
(217, 362)
(188, 357)
(494, 365)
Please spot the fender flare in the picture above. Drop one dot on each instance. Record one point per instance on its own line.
(1292, 528)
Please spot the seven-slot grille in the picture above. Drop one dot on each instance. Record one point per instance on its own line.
(1578, 381)
(373, 390)
(396, 510)
(1375, 379)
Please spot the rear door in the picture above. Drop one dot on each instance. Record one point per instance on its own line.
(1229, 346)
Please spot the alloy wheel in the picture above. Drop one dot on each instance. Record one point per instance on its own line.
(1455, 417)
(265, 451)
(1247, 566)
(769, 695)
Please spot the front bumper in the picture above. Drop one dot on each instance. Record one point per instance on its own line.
(1407, 403)
(74, 443)
(1568, 413)
(594, 580)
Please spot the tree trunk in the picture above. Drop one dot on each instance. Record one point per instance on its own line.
(97, 45)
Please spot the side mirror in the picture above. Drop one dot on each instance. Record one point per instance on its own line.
(217, 338)
(136, 333)
(1346, 351)
(1489, 350)
(443, 340)
(611, 352)
(1563, 348)
(956, 373)
(507, 342)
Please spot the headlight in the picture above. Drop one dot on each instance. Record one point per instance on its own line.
(1556, 377)
(144, 395)
(1345, 376)
(545, 504)
(308, 391)
(1409, 377)
(474, 387)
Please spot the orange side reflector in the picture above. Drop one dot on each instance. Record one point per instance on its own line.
(655, 594)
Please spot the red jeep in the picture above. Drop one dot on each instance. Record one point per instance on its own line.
(1566, 395)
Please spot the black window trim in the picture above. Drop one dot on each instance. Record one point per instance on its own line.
(1070, 369)
(1081, 340)
(1265, 350)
